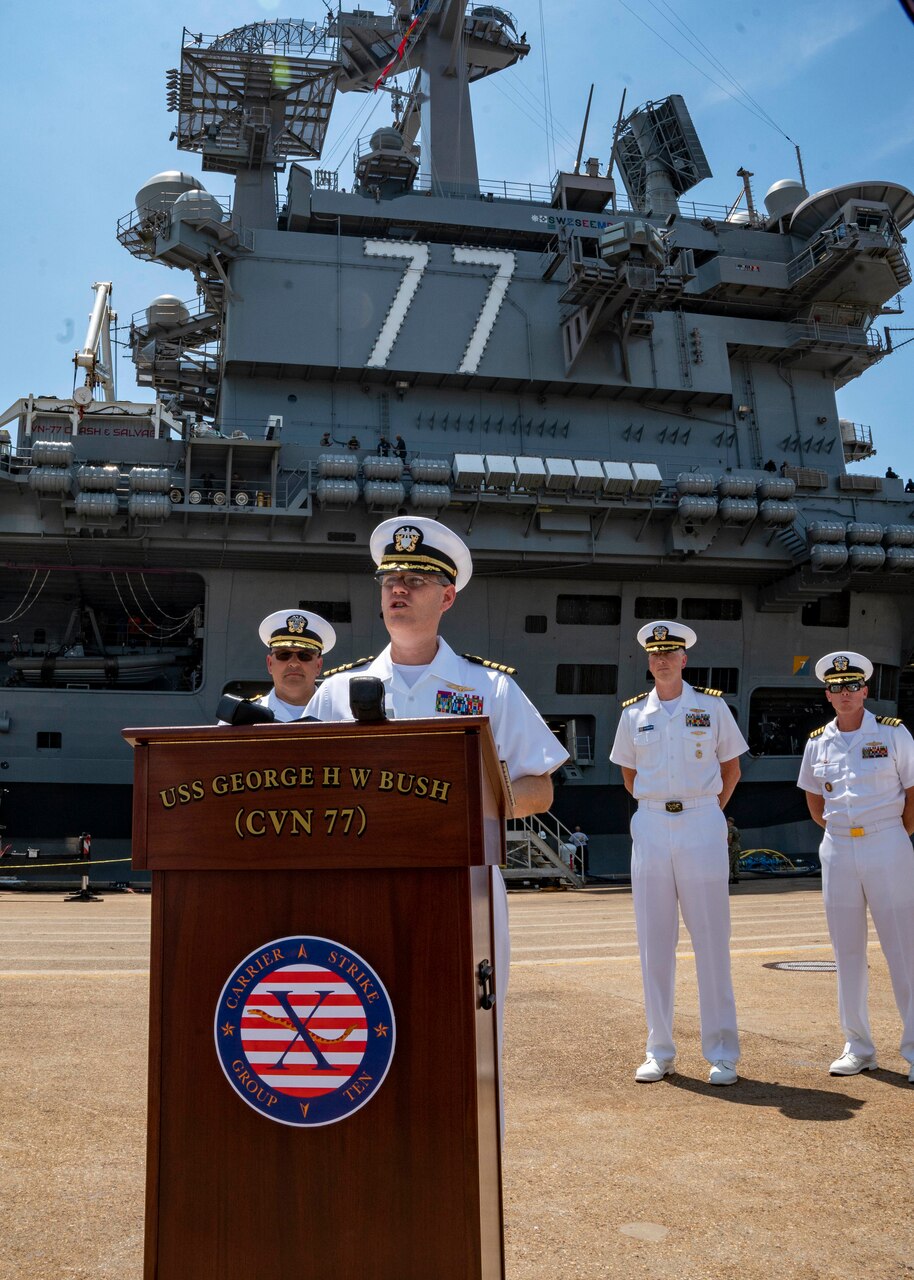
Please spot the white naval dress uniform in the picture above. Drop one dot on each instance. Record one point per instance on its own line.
(679, 859)
(450, 685)
(867, 861)
(283, 711)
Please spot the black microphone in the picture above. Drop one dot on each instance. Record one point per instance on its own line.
(366, 699)
(240, 711)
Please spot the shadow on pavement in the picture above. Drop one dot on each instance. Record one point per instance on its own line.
(898, 1079)
(795, 1103)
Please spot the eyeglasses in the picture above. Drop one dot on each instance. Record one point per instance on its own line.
(850, 686)
(412, 581)
(283, 655)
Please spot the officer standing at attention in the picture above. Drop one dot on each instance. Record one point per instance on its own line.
(858, 775)
(421, 565)
(679, 749)
(296, 642)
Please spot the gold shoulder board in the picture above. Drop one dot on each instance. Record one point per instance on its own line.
(493, 666)
(816, 732)
(889, 720)
(712, 693)
(347, 666)
(630, 702)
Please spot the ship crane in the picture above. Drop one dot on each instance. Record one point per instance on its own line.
(95, 356)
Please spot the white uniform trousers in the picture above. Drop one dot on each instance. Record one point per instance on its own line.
(875, 871)
(680, 860)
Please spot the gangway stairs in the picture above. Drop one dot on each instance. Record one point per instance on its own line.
(537, 848)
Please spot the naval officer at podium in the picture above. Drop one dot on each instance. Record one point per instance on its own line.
(420, 567)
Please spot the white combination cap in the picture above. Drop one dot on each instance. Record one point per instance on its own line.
(844, 667)
(661, 636)
(421, 545)
(294, 629)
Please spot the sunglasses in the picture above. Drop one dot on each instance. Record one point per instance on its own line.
(283, 655)
(849, 686)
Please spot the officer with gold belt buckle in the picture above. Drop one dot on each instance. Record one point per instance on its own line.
(858, 775)
(678, 748)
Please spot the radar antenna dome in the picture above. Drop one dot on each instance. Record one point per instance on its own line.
(159, 192)
(197, 204)
(166, 312)
(386, 140)
(783, 197)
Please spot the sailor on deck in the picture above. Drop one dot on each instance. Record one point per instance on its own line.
(678, 749)
(296, 641)
(421, 566)
(858, 775)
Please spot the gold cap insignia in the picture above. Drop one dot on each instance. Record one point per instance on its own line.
(296, 623)
(661, 633)
(406, 539)
(841, 663)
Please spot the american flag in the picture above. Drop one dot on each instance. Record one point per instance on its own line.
(304, 1030)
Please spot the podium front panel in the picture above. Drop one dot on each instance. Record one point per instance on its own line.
(406, 1186)
(415, 1170)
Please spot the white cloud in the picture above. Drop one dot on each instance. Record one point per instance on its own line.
(814, 29)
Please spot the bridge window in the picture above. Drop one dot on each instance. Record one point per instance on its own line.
(48, 741)
(535, 624)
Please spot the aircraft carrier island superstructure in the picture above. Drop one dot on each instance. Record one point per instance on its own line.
(623, 401)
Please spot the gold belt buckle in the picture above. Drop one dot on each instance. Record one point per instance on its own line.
(858, 831)
(673, 806)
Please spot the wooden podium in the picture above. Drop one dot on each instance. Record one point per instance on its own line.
(377, 839)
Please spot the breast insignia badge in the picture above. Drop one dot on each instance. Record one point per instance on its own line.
(304, 1031)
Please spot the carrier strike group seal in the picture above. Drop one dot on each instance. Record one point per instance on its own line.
(304, 1031)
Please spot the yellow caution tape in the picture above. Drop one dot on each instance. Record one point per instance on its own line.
(28, 866)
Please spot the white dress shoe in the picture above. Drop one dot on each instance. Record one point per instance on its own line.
(849, 1064)
(654, 1069)
(722, 1073)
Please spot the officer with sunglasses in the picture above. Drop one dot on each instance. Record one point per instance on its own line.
(296, 642)
(858, 775)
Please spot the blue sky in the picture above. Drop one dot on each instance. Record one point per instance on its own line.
(84, 125)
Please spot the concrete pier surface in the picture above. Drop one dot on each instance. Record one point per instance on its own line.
(790, 1173)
